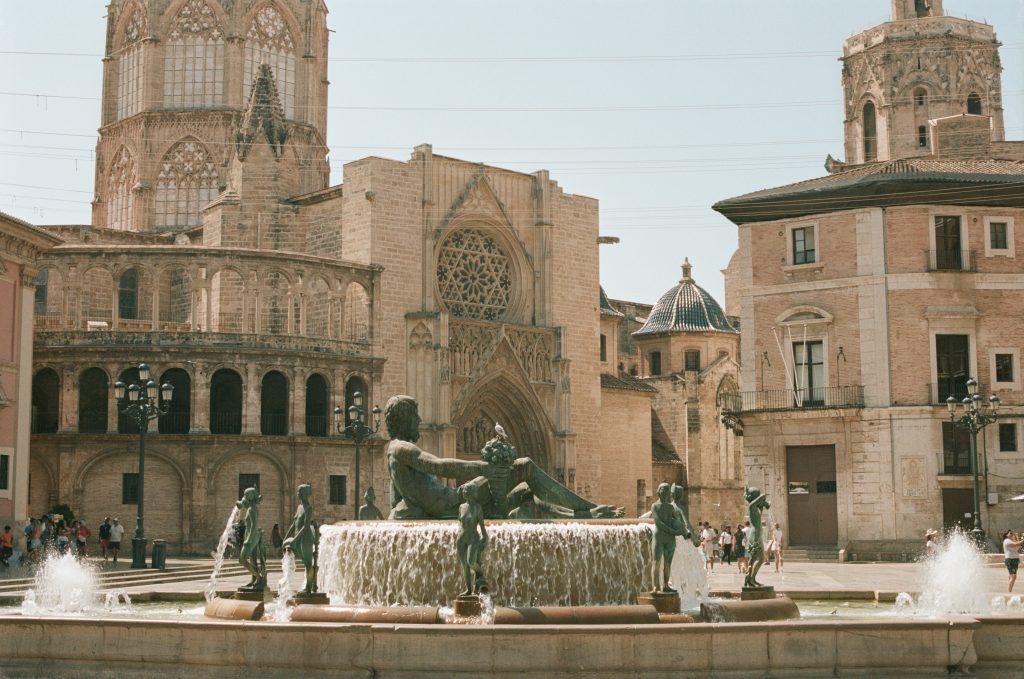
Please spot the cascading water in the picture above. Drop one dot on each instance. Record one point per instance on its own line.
(527, 564)
(218, 554)
(66, 586)
(285, 591)
(689, 577)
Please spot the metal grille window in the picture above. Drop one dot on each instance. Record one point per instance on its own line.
(1007, 437)
(997, 236)
(956, 449)
(194, 59)
(248, 481)
(1004, 367)
(130, 489)
(691, 360)
(655, 362)
(187, 182)
(803, 245)
(339, 490)
(131, 67)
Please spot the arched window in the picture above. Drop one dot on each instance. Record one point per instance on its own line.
(131, 65)
(93, 400)
(870, 133)
(227, 292)
(194, 59)
(922, 136)
(187, 182)
(269, 41)
(128, 295)
(317, 417)
(121, 192)
(318, 308)
(226, 402)
(357, 313)
(920, 96)
(97, 298)
(126, 424)
(354, 384)
(45, 402)
(974, 103)
(275, 304)
(42, 281)
(177, 419)
(175, 296)
(274, 405)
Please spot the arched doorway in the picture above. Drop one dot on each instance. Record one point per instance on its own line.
(500, 400)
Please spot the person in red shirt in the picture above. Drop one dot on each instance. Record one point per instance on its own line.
(82, 536)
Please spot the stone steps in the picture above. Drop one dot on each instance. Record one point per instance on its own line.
(811, 553)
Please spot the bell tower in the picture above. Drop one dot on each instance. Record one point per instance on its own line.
(919, 66)
(177, 79)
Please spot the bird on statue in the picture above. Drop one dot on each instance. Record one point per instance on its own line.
(500, 431)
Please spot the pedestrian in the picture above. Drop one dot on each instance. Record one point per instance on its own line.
(105, 536)
(63, 538)
(82, 538)
(716, 544)
(116, 533)
(778, 540)
(707, 537)
(1011, 557)
(929, 542)
(726, 540)
(6, 546)
(277, 540)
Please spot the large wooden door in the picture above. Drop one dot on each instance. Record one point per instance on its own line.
(811, 479)
(958, 508)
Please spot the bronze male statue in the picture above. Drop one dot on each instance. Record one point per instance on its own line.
(303, 538)
(757, 502)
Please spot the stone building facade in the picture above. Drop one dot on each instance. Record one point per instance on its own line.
(869, 296)
(219, 256)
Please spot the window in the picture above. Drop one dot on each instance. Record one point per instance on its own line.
(130, 489)
(41, 283)
(974, 104)
(247, 481)
(274, 405)
(920, 96)
(922, 136)
(270, 42)
(956, 449)
(1007, 437)
(128, 295)
(121, 192)
(691, 360)
(317, 417)
(870, 133)
(949, 255)
(999, 240)
(1004, 368)
(339, 490)
(226, 402)
(997, 235)
(45, 400)
(809, 367)
(177, 419)
(186, 183)
(922, 8)
(194, 59)
(604, 348)
(951, 366)
(131, 66)
(5, 472)
(803, 245)
(655, 360)
(93, 398)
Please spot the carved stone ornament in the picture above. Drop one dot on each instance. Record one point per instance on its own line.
(196, 18)
(474, 275)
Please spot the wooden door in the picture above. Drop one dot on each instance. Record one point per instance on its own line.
(958, 508)
(811, 479)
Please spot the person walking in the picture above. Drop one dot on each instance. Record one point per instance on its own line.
(778, 540)
(6, 546)
(81, 540)
(105, 536)
(116, 533)
(726, 540)
(707, 537)
(1011, 557)
(929, 542)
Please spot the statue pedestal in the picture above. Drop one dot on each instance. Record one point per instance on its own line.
(249, 596)
(468, 606)
(663, 602)
(757, 593)
(315, 599)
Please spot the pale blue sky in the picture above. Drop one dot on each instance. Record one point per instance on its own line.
(658, 108)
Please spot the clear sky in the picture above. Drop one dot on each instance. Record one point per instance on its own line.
(658, 108)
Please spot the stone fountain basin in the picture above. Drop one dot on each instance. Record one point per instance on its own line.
(74, 647)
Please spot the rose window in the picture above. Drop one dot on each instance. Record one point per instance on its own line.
(474, 275)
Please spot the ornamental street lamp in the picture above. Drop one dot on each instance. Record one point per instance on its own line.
(974, 416)
(142, 405)
(358, 431)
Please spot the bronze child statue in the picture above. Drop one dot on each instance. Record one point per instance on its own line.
(667, 525)
(252, 554)
(472, 540)
(302, 538)
(757, 502)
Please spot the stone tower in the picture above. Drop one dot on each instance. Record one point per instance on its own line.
(920, 66)
(177, 80)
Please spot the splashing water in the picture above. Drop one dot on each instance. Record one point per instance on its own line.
(904, 602)
(285, 591)
(218, 554)
(117, 600)
(688, 575)
(63, 586)
(527, 564)
(953, 581)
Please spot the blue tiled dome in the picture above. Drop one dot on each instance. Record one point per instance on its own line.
(686, 307)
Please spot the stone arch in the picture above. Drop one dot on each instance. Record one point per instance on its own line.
(93, 400)
(869, 130)
(501, 398)
(357, 313)
(318, 307)
(174, 297)
(227, 300)
(275, 301)
(97, 296)
(804, 314)
(275, 485)
(187, 180)
(274, 402)
(129, 54)
(166, 494)
(46, 401)
(318, 404)
(975, 105)
(49, 296)
(130, 25)
(227, 390)
(134, 294)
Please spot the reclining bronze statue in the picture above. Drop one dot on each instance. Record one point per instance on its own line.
(515, 486)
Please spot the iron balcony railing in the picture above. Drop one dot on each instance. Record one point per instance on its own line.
(796, 399)
(951, 260)
(954, 386)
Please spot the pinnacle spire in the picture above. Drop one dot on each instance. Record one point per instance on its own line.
(263, 114)
(687, 270)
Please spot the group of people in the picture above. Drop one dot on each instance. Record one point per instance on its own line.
(725, 545)
(52, 534)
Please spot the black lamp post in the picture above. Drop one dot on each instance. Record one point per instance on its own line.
(142, 405)
(975, 416)
(358, 431)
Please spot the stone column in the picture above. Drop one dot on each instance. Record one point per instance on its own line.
(251, 401)
(200, 404)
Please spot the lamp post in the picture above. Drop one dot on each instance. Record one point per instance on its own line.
(358, 431)
(140, 402)
(974, 416)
